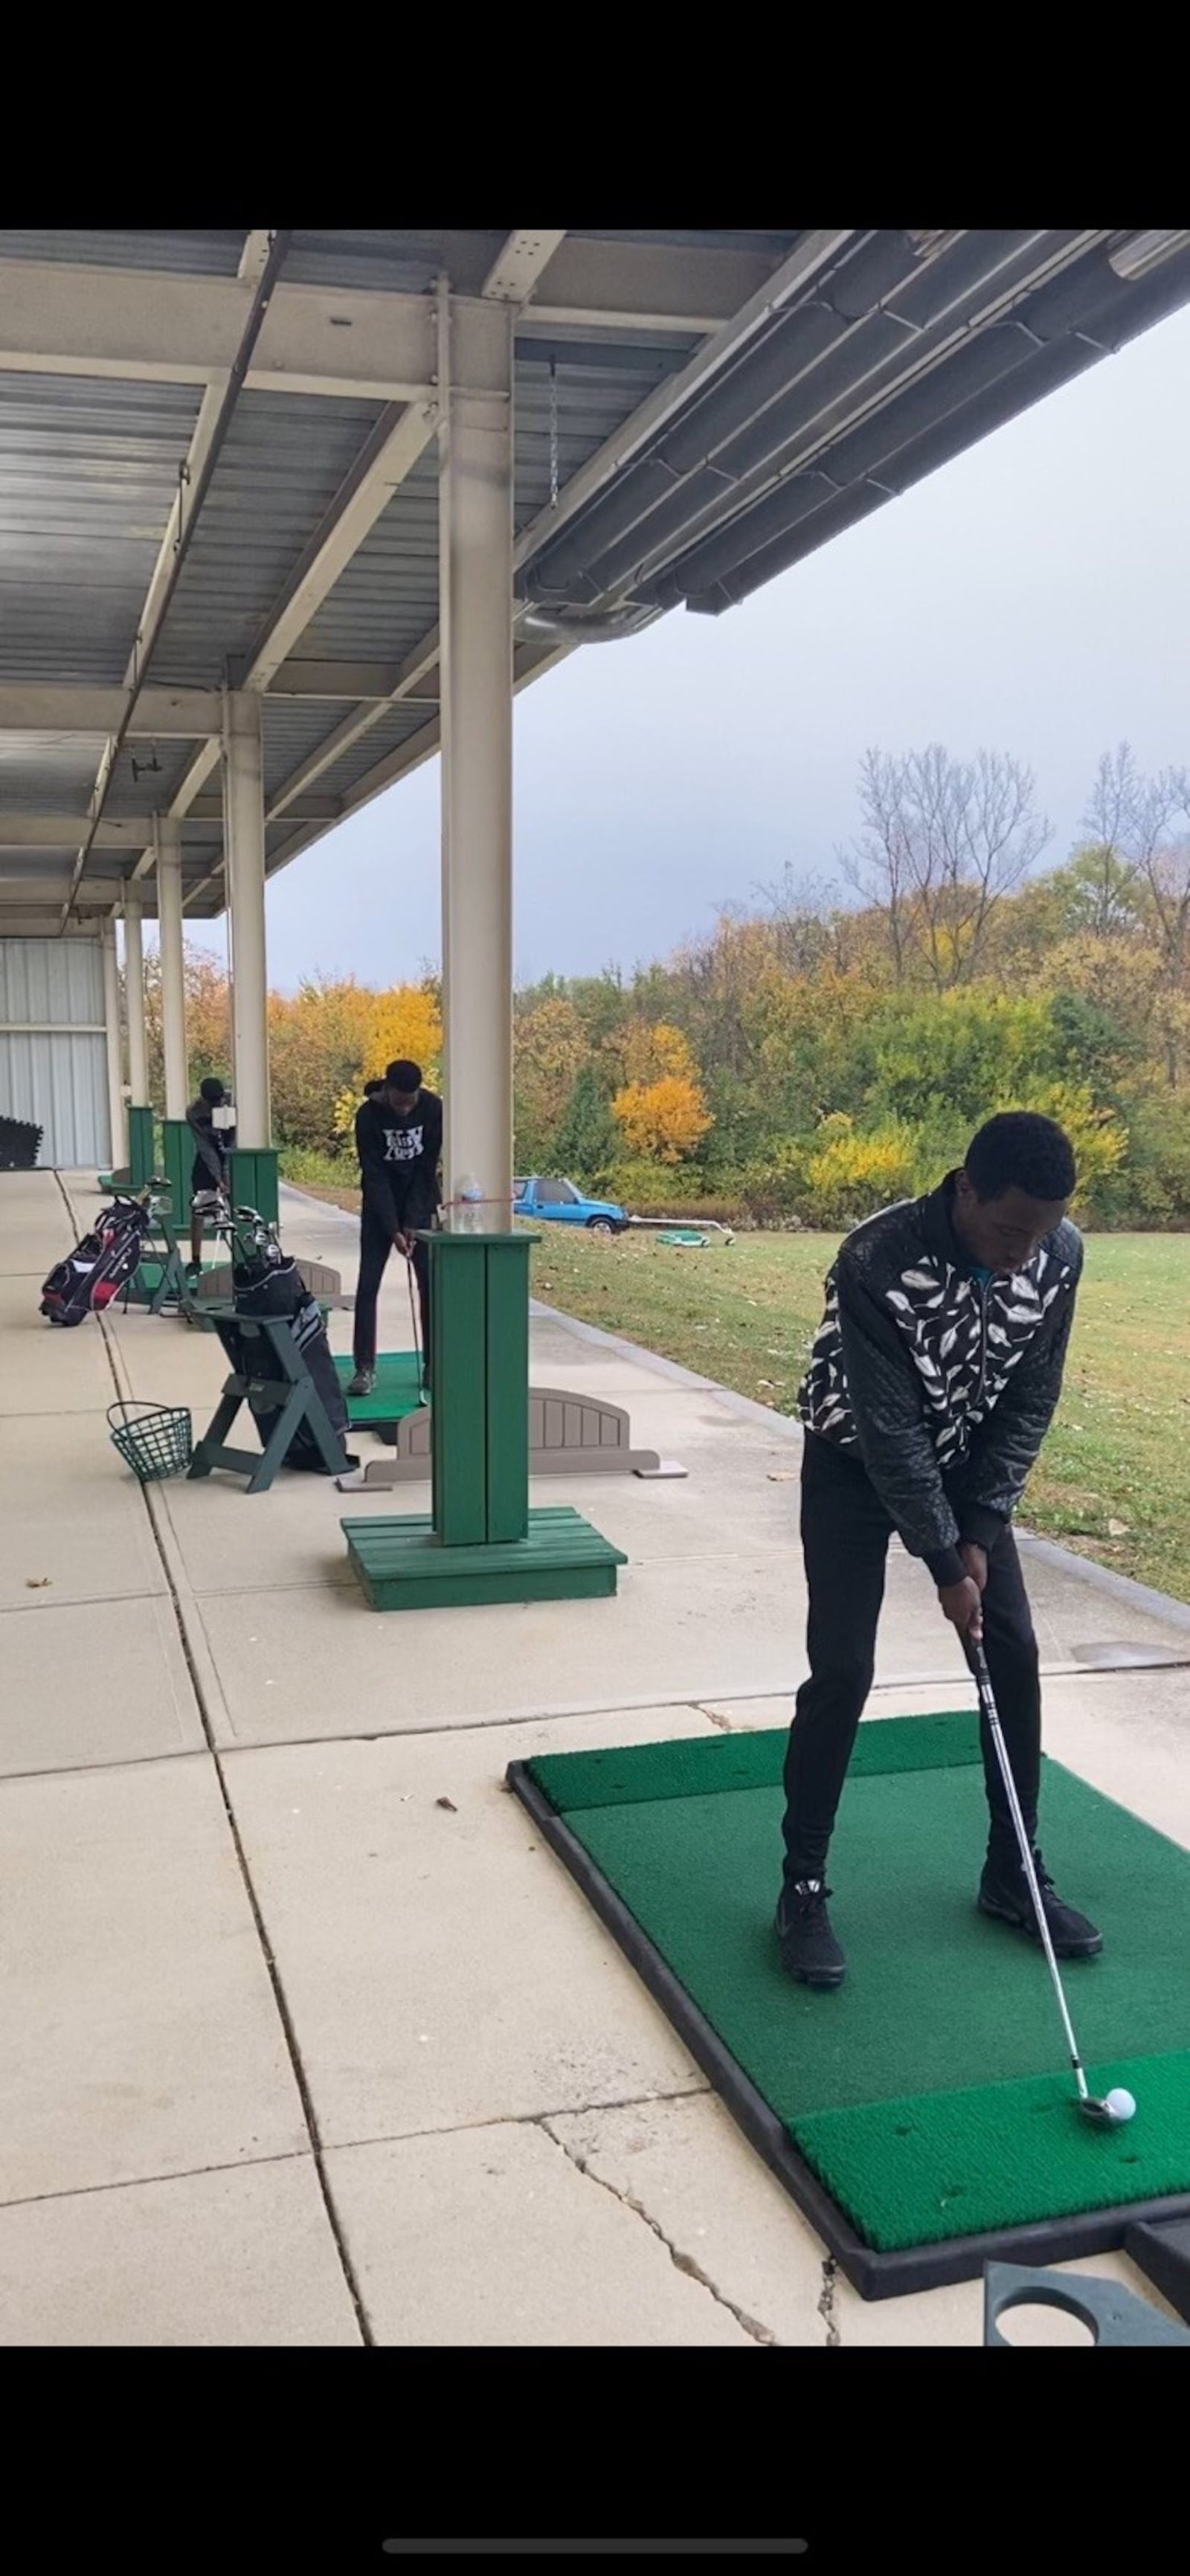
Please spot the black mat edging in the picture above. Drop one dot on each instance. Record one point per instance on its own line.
(873, 2275)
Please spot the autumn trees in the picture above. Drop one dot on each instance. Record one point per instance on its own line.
(832, 1046)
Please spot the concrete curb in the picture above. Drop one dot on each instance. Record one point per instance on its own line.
(1102, 1578)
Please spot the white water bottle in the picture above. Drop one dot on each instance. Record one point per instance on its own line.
(470, 1206)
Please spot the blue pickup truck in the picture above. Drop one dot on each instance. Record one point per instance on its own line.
(560, 1203)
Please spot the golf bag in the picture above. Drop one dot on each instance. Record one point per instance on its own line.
(103, 1263)
(269, 1283)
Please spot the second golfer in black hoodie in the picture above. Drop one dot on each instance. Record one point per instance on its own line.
(398, 1138)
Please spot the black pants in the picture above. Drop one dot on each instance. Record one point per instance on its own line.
(375, 1245)
(845, 1535)
(202, 1177)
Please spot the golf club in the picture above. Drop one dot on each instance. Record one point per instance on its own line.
(421, 1370)
(1117, 2105)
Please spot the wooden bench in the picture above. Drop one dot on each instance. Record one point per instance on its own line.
(569, 1435)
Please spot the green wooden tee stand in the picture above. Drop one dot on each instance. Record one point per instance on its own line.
(268, 1374)
(480, 1542)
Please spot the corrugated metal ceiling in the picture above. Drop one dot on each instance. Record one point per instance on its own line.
(285, 459)
(89, 475)
(36, 768)
(189, 254)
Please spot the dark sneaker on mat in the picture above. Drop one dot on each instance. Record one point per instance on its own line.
(809, 1950)
(363, 1383)
(1004, 1894)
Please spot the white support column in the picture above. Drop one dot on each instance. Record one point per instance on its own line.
(475, 547)
(115, 1054)
(168, 842)
(243, 830)
(134, 1003)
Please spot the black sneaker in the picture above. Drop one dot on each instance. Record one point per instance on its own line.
(809, 1950)
(363, 1383)
(1004, 1893)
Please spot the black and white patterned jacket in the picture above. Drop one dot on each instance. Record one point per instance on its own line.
(943, 1385)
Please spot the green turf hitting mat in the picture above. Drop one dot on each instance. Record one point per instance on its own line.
(397, 1390)
(921, 2115)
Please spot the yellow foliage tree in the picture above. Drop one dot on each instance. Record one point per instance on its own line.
(405, 1021)
(662, 1121)
(550, 1049)
(316, 1036)
(652, 1051)
(208, 1019)
(1099, 1136)
(851, 1176)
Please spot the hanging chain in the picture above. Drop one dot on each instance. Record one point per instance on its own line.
(553, 433)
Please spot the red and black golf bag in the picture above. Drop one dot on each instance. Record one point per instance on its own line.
(103, 1263)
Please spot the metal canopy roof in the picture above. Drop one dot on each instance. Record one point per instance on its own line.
(217, 451)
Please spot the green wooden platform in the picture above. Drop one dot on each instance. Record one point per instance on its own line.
(402, 1564)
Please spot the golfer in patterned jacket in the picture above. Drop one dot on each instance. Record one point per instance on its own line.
(932, 1383)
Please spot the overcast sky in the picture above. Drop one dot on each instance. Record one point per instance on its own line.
(1030, 598)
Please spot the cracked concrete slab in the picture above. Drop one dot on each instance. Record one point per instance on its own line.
(33, 1233)
(690, 2169)
(316, 1662)
(438, 1964)
(100, 1549)
(140, 2033)
(492, 2236)
(93, 1683)
(44, 1369)
(289, 1546)
(233, 2258)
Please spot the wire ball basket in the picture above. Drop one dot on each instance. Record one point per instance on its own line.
(153, 1439)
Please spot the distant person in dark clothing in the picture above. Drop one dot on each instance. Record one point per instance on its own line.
(372, 1090)
(398, 1138)
(213, 1140)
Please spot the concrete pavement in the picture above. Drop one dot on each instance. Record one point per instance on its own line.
(308, 2041)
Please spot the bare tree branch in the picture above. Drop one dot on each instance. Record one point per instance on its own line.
(943, 842)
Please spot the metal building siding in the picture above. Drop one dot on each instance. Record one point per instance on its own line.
(53, 1056)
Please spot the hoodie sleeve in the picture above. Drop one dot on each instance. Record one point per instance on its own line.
(894, 1441)
(1005, 1448)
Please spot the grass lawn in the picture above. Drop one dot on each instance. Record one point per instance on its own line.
(1114, 1477)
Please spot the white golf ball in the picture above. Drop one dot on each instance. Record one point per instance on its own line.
(1120, 2104)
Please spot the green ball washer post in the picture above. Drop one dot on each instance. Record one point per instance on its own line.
(481, 1542)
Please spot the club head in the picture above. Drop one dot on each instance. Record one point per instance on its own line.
(1111, 2110)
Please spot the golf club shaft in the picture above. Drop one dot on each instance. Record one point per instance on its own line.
(987, 1699)
(416, 1325)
